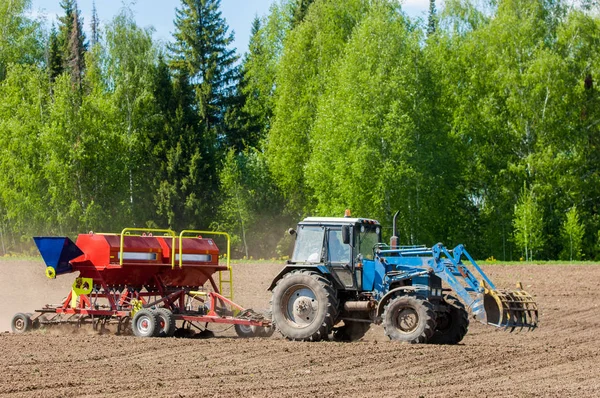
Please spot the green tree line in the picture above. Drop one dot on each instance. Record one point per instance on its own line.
(479, 122)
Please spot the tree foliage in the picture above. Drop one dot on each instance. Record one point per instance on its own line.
(528, 223)
(335, 105)
(572, 233)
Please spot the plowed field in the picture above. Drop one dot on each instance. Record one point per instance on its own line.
(560, 359)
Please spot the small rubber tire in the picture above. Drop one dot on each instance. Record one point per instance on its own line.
(166, 322)
(245, 331)
(21, 323)
(265, 331)
(268, 330)
(304, 306)
(409, 319)
(145, 323)
(451, 325)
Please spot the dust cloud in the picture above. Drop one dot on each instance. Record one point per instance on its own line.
(24, 287)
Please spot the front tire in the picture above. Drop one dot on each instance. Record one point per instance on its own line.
(304, 306)
(451, 325)
(409, 319)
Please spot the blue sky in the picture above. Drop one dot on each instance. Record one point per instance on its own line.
(161, 13)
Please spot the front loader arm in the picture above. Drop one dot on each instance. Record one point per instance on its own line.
(501, 308)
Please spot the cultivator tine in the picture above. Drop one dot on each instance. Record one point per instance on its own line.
(511, 309)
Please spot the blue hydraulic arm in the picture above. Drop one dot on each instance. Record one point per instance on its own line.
(448, 267)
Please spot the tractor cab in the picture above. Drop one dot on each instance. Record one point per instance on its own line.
(339, 244)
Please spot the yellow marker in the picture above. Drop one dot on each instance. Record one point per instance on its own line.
(50, 272)
(80, 286)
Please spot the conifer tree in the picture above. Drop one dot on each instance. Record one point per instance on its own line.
(54, 61)
(205, 71)
(300, 11)
(95, 26)
(71, 41)
(76, 48)
(432, 20)
(201, 49)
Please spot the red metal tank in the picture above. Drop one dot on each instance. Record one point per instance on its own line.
(137, 261)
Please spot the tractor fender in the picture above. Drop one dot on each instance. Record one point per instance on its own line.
(319, 268)
(391, 294)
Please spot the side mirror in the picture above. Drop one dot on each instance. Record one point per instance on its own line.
(346, 234)
(291, 231)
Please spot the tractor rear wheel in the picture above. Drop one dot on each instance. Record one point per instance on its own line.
(451, 325)
(21, 323)
(409, 319)
(166, 322)
(304, 306)
(146, 323)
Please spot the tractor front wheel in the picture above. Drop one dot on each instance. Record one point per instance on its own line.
(304, 306)
(409, 319)
(452, 324)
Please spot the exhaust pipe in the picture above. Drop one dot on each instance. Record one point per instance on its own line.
(394, 238)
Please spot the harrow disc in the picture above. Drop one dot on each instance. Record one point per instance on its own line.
(510, 309)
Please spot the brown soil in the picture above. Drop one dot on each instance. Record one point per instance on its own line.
(560, 359)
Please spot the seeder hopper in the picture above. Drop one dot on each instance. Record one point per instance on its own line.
(151, 280)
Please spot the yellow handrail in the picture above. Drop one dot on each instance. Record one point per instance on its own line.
(192, 231)
(168, 232)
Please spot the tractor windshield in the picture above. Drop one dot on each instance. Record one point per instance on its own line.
(368, 237)
(309, 245)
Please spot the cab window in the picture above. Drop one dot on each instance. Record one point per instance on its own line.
(368, 237)
(337, 252)
(309, 245)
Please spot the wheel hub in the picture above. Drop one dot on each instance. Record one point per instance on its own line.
(19, 324)
(302, 306)
(144, 324)
(407, 320)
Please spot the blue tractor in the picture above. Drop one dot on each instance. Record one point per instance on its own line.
(342, 278)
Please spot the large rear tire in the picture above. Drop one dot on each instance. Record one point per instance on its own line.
(451, 325)
(409, 319)
(304, 306)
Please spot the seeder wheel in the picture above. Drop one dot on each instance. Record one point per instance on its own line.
(245, 331)
(146, 323)
(21, 323)
(166, 322)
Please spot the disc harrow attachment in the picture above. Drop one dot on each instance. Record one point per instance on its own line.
(510, 309)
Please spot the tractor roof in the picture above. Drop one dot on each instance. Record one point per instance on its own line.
(338, 220)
